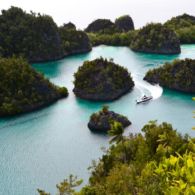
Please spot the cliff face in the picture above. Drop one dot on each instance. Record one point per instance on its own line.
(178, 75)
(100, 26)
(156, 38)
(102, 80)
(23, 89)
(124, 23)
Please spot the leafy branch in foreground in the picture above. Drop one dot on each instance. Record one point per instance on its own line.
(66, 187)
(157, 161)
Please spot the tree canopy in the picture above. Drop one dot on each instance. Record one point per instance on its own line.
(23, 89)
(178, 75)
(37, 38)
(102, 80)
(158, 161)
(156, 38)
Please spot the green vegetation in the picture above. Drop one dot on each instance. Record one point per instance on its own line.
(23, 89)
(103, 31)
(124, 23)
(66, 187)
(32, 36)
(184, 27)
(156, 38)
(181, 21)
(158, 161)
(116, 39)
(104, 119)
(101, 26)
(74, 41)
(37, 38)
(102, 80)
(178, 75)
(69, 26)
(186, 35)
(105, 26)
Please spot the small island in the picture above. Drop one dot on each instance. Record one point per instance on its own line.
(178, 75)
(156, 38)
(102, 80)
(23, 89)
(102, 120)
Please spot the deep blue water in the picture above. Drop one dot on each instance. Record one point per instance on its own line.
(40, 149)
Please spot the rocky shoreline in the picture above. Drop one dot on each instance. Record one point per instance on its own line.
(102, 120)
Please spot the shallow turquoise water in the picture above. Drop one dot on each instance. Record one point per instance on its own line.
(40, 149)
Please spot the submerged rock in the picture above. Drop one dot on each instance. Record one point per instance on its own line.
(102, 80)
(102, 120)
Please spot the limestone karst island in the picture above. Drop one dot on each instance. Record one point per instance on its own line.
(97, 97)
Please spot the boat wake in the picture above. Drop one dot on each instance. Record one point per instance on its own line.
(146, 88)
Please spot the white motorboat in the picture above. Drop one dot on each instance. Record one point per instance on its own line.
(144, 99)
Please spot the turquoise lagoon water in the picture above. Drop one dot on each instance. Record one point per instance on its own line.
(40, 149)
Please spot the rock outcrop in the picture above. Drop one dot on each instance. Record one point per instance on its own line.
(102, 80)
(124, 23)
(102, 120)
(100, 26)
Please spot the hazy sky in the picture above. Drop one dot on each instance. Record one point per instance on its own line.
(82, 12)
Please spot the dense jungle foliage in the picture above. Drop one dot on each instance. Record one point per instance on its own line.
(158, 161)
(184, 26)
(178, 75)
(181, 21)
(22, 89)
(186, 35)
(156, 38)
(103, 31)
(32, 36)
(74, 41)
(116, 39)
(102, 79)
(37, 38)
